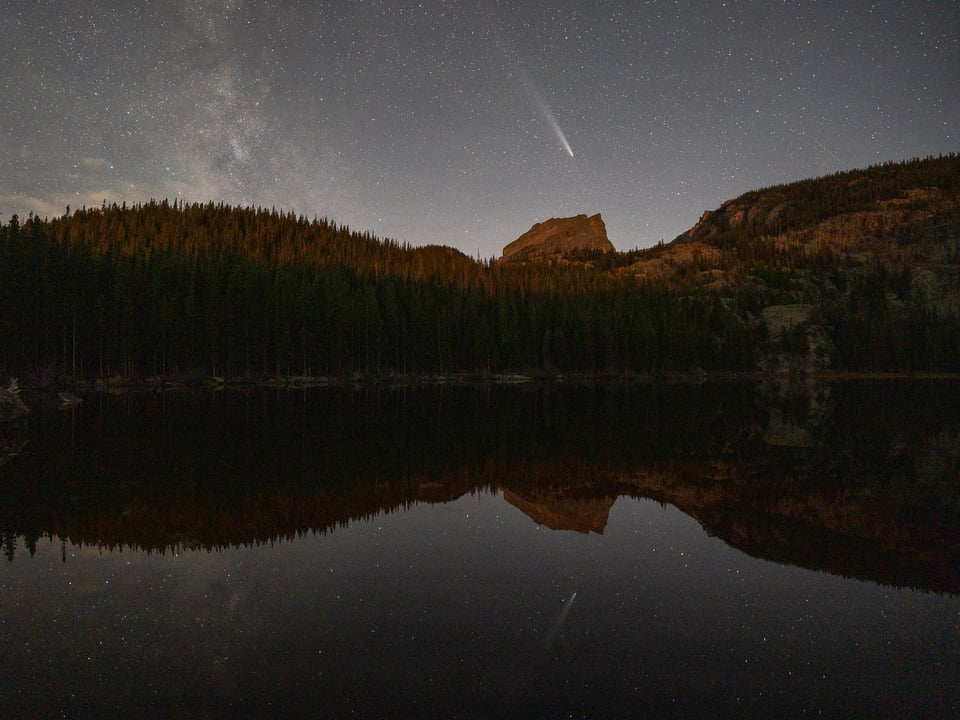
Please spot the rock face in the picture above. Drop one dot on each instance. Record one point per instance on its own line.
(560, 235)
(761, 215)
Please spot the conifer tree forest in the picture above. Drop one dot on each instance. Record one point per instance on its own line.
(169, 288)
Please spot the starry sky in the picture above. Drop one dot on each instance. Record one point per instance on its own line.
(464, 122)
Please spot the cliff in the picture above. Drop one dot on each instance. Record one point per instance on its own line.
(559, 236)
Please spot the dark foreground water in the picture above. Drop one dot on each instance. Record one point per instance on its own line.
(485, 552)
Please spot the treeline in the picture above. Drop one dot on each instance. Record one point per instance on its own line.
(879, 324)
(806, 203)
(165, 289)
(173, 289)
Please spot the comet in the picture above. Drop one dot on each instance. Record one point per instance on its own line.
(552, 121)
(534, 92)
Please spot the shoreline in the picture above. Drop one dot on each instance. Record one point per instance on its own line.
(156, 384)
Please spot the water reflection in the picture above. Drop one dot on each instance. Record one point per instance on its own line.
(485, 552)
(468, 609)
(859, 479)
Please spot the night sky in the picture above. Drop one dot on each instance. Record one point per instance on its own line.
(463, 123)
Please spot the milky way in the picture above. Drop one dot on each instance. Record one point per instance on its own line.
(407, 119)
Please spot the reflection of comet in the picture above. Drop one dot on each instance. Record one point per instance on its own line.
(565, 610)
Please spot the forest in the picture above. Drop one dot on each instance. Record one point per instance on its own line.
(176, 289)
(171, 289)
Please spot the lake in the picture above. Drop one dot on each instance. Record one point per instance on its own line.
(485, 552)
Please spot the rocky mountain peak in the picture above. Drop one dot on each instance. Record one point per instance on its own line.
(560, 235)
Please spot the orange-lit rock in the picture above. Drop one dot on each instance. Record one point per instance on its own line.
(560, 235)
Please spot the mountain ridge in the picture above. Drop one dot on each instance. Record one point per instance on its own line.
(857, 271)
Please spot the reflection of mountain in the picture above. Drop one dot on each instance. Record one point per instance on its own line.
(899, 536)
(890, 533)
(561, 511)
(875, 495)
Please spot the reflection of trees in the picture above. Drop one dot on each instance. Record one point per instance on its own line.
(9, 544)
(10, 447)
(875, 495)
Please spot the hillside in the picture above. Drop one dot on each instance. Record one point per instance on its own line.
(861, 262)
(858, 271)
(900, 214)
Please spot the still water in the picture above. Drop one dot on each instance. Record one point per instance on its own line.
(485, 552)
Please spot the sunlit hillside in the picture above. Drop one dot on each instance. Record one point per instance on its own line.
(858, 271)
